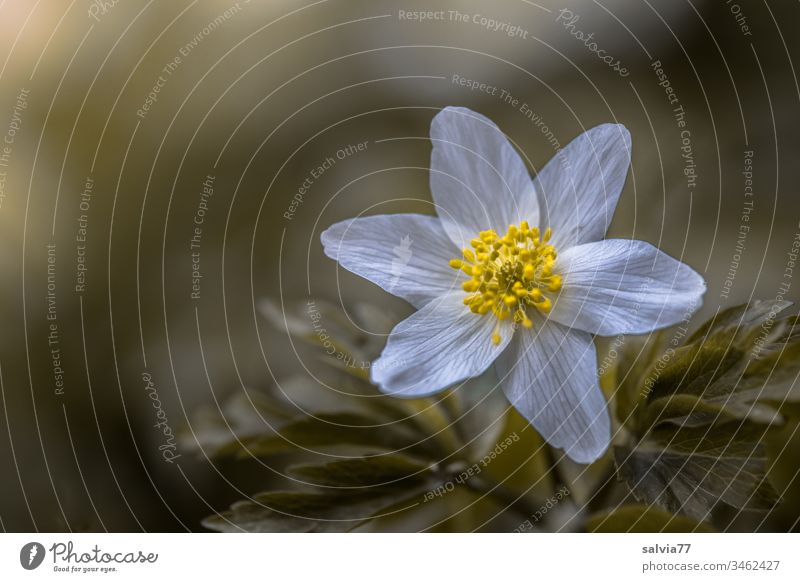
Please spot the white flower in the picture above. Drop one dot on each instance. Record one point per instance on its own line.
(527, 299)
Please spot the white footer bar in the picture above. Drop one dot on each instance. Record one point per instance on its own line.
(406, 557)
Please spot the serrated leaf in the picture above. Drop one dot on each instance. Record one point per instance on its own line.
(684, 410)
(690, 470)
(329, 511)
(331, 430)
(741, 316)
(736, 366)
(254, 415)
(740, 357)
(383, 471)
(242, 415)
(643, 519)
(635, 358)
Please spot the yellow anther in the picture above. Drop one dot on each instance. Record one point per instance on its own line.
(544, 305)
(528, 271)
(509, 274)
(547, 234)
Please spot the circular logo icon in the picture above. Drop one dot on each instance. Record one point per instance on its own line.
(31, 555)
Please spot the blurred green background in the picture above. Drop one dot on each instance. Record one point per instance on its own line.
(256, 95)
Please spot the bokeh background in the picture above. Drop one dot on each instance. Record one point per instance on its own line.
(249, 98)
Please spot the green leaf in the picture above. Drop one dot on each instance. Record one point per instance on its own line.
(703, 408)
(684, 410)
(635, 358)
(355, 492)
(215, 430)
(643, 519)
(281, 511)
(742, 316)
(333, 430)
(690, 470)
(327, 326)
(740, 359)
(387, 470)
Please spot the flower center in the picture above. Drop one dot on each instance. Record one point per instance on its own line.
(509, 274)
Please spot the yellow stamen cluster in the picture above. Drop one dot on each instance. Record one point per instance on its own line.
(510, 273)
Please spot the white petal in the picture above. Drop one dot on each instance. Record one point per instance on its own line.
(405, 254)
(582, 183)
(624, 287)
(550, 376)
(441, 344)
(478, 180)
